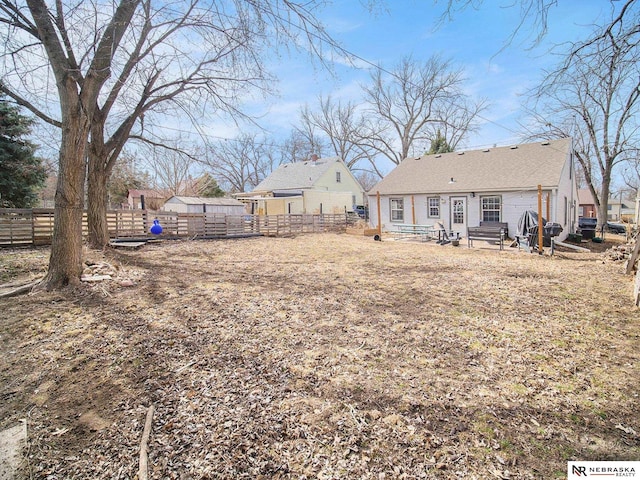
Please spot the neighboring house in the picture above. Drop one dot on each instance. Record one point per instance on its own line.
(618, 209)
(153, 199)
(461, 189)
(181, 204)
(621, 210)
(323, 185)
(586, 204)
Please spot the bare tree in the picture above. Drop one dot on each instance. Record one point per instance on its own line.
(303, 142)
(631, 176)
(178, 60)
(459, 120)
(34, 29)
(405, 104)
(533, 20)
(126, 175)
(593, 96)
(170, 170)
(367, 179)
(342, 125)
(139, 55)
(242, 163)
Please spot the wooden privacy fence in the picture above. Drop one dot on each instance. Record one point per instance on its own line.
(23, 227)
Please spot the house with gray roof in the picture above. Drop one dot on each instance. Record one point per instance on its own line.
(319, 185)
(462, 189)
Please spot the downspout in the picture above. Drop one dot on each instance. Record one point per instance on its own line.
(572, 178)
(379, 219)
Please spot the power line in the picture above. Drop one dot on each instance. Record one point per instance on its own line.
(351, 56)
(378, 67)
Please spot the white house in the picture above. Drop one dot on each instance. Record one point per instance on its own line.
(461, 189)
(181, 204)
(324, 185)
(621, 210)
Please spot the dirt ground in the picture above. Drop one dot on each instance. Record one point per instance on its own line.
(323, 356)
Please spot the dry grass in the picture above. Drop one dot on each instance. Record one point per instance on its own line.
(325, 356)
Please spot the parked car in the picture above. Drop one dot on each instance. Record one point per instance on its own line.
(616, 227)
(587, 222)
(361, 210)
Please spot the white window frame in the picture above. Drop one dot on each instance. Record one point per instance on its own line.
(433, 203)
(398, 211)
(484, 210)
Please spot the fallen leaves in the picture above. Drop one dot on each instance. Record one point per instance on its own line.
(327, 356)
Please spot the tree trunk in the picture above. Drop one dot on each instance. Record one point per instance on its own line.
(102, 158)
(97, 201)
(603, 208)
(65, 262)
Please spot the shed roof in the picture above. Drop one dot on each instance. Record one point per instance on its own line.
(220, 201)
(520, 167)
(298, 175)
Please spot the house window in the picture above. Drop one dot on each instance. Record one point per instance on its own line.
(566, 210)
(490, 209)
(433, 204)
(338, 179)
(397, 210)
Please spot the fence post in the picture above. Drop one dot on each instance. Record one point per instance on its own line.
(33, 229)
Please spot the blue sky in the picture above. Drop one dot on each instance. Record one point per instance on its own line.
(476, 40)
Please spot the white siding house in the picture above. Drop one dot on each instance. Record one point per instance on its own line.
(181, 204)
(461, 189)
(324, 185)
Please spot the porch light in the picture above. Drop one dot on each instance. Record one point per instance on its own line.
(451, 181)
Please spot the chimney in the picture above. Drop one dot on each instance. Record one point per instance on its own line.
(314, 157)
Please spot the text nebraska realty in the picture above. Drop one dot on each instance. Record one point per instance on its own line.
(619, 472)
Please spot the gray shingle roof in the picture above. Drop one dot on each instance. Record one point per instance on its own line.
(299, 175)
(495, 169)
(222, 201)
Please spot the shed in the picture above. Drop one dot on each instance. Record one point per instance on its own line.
(225, 205)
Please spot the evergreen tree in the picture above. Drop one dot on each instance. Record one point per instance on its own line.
(439, 144)
(207, 186)
(22, 174)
